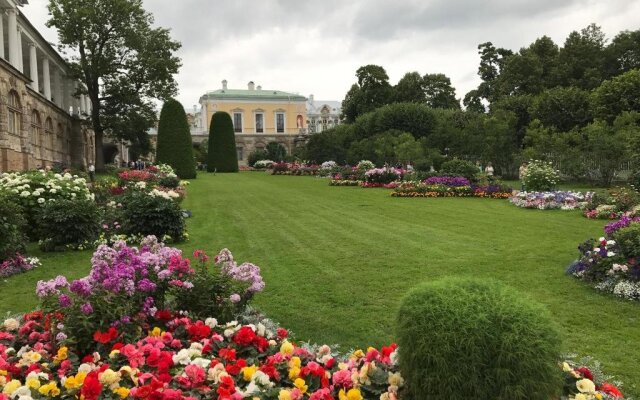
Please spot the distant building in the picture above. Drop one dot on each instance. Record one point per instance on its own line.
(259, 116)
(40, 119)
(322, 114)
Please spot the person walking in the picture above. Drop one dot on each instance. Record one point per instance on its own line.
(92, 172)
(521, 172)
(489, 169)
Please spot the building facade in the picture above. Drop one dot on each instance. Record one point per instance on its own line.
(41, 119)
(259, 116)
(322, 114)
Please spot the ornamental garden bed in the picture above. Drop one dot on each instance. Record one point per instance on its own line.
(563, 200)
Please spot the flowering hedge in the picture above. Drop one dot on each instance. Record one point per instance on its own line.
(294, 169)
(376, 177)
(421, 189)
(540, 176)
(612, 263)
(551, 200)
(344, 182)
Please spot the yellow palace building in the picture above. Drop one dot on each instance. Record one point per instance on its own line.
(259, 116)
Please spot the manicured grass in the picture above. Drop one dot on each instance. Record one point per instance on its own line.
(337, 260)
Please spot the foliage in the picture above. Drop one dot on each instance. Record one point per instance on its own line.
(275, 151)
(122, 68)
(628, 240)
(617, 95)
(563, 108)
(370, 92)
(417, 119)
(70, 224)
(257, 155)
(439, 92)
(169, 182)
(174, 140)
(222, 144)
(460, 167)
(151, 214)
(12, 228)
(463, 338)
(540, 176)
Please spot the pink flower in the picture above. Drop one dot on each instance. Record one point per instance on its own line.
(342, 379)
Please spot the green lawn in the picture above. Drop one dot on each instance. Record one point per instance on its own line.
(337, 260)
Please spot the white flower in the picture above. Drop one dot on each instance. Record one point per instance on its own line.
(25, 194)
(41, 200)
(181, 357)
(610, 253)
(11, 324)
(586, 386)
(201, 362)
(211, 322)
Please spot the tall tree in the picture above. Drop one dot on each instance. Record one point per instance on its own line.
(116, 49)
(409, 89)
(581, 61)
(372, 91)
(563, 108)
(438, 91)
(174, 140)
(617, 95)
(623, 54)
(492, 61)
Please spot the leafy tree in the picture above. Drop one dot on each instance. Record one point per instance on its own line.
(119, 53)
(563, 108)
(174, 140)
(330, 145)
(201, 151)
(222, 144)
(581, 61)
(519, 106)
(473, 102)
(438, 92)
(408, 149)
(372, 91)
(616, 95)
(492, 61)
(276, 151)
(416, 119)
(623, 54)
(409, 89)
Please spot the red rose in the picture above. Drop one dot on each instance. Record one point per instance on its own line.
(611, 390)
(261, 344)
(244, 337)
(584, 371)
(198, 331)
(91, 388)
(282, 333)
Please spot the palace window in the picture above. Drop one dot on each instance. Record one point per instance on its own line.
(240, 153)
(15, 114)
(48, 130)
(279, 122)
(237, 122)
(60, 139)
(36, 129)
(259, 123)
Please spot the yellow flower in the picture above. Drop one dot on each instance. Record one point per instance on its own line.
(11, 387)
(109, 377)
(247, 372)
(580, 396)
(286, 348)
(352, 394)
(586, 386)
(114, 354)
(598, 396)
(156, 332)
(301, 384)
(74, 382)
(284, 395)
(122, 392)
(295, 362)
(294, 372)
(33, 383)
(61, 356)
(396, 379)
(566, 367)
(358, 354)
(50, 389)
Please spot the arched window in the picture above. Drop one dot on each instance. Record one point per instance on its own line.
(36, 132)
(15, 113)
(48, 131)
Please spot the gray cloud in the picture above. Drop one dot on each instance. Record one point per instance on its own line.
(316, 46)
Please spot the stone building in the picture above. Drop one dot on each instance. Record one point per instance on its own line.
(322, 114)
(259, 116)
(41, 121)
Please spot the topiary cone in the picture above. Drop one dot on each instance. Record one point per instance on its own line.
(222, 144)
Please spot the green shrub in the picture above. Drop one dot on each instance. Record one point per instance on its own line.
(145, 214)
(174, 140)
(469, 339)
(540, 176)
(12, 229)
(222, 144)
(257, 155)
(65, 224)
(460, 167)
(628, 239)
(170, 182)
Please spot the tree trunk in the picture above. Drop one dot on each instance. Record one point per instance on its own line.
(99, 151)
(97, 129)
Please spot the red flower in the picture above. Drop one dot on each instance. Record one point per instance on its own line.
(227, 388)
(611, 390)
(105, 337)
(163, 315)
(584, 371)
(271, 372)
(198, 331)
(234, 369)
(282, 333)
(261, 344)
(91, 388)
(228, 354)
(244, 337)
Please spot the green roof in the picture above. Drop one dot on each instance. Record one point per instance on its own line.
(241, 94)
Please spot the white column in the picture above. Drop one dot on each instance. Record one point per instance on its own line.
(20, 55)
(33, 63)
(83, 104)
(14, 54)
(2, 34)
(46, 77)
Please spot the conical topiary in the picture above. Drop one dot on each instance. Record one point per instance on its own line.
(174, 140)
(222, 144)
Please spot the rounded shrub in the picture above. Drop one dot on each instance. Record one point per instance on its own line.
(62, 224)
(256, 156)
(470, 339)
(12, 229)
(540, 176)
(145, 214)
(628, 239)
(460, 167)
(222, 144)
(174, 140)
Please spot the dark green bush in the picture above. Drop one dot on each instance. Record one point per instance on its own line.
(628, 239)
(469, 339)
(170, 182)
(12, 229)
(257, 155)
(143, 214)
(174, 140)
(460, 167)
(67, 223)
(222, 144)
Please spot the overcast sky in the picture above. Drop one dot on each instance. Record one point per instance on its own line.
(315, 47)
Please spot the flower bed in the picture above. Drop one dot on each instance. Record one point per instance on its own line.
(295, 169)
(551, 200)
(618, 202)
(612, 263)
(377, 177)
(344, 182)
(17, 265)
(422, 189)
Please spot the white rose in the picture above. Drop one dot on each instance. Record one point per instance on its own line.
(11, 324)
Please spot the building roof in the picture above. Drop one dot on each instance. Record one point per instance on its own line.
(315, 106)
(244, 94)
